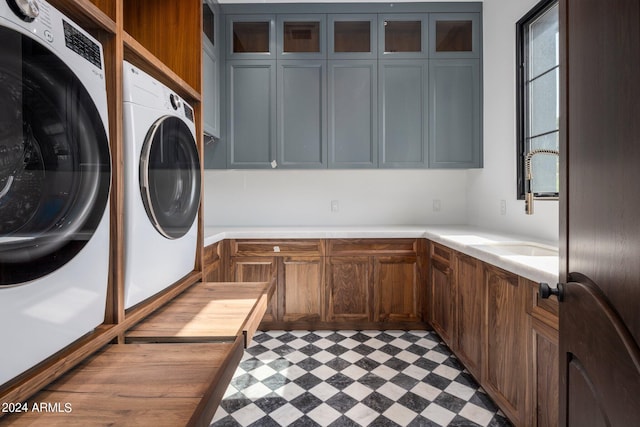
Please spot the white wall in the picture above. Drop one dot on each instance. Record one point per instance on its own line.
(365, 197)
(403, 197)
(497, 180)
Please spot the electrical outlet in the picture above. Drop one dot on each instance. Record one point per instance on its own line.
(437, 205)
(503, 207)
(335, 206)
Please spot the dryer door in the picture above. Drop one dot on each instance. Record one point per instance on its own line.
(55, 169)
(170, 177)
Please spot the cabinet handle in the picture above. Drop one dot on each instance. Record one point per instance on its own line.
(546, 291)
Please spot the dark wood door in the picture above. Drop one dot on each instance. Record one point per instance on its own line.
(600, 213)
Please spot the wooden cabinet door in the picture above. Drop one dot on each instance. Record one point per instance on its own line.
(301, 288)
(257, 269)
(469, 311)
(505, 367)
(349, 289)
(442, 300)
(396, 286)
(544, 375)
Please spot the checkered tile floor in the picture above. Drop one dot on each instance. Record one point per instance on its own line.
(353, 378)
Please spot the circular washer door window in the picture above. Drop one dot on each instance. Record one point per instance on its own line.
(55, 165)
(170, 177)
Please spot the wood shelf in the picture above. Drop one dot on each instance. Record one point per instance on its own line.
(207, 312)
(140, 56)
(139, 384)
(86, 14)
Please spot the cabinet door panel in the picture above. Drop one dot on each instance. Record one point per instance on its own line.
(505, 341)
(353, 95)
(353, 36)
(349, 289)
(396, 286)
(403, 92)
(544, 376)
(403, 35)
(302, 136)
(442, 293)
(454, 35)
(454, 114)
(210, 90)
(469, 299)
(251, 36)
(257, 269)
(302, 289)
(251, 113)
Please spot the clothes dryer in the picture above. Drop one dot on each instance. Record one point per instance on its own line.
(55, 175)
(162, 186)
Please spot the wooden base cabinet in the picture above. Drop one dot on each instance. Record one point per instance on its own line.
(442, 292)
(397, 288)
(505, 342)
(542, 407)
(300, 282)
(349, 289)
(335, 283)
(297, 268)
(500, 329)
(469, 302)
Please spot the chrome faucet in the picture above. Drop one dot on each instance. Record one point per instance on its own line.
(528, 198)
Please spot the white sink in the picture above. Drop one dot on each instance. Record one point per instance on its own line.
(523, 249)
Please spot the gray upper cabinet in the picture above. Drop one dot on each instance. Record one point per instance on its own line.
(403, 35)
(352, 36)
(454, 114)
(251, 37)
(251, 103)
(301, 114)
(330, 85)
(454, 35)
(210, 69)
(353, 102)
(301, 36)
(403, 118)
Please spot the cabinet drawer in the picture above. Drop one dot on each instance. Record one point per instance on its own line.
(441, 253)
(545, 310)
(276, 247)
(372, 246)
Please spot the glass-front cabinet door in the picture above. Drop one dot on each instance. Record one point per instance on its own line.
(251, 37)
(403, 35)
(353, 36)
(454, 35)
(301, 36)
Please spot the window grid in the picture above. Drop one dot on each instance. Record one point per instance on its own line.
(535, 132)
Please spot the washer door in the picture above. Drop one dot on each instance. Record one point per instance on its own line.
(55, 169)
(170, 177)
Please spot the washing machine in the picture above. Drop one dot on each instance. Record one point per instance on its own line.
(55, 175)
(162, 186)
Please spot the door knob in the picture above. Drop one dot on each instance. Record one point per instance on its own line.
(546, 291)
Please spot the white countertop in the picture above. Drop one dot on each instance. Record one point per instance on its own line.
(496, 248)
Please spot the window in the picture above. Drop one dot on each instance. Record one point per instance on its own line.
(538, 100)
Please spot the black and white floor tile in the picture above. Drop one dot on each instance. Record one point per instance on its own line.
(353, 378)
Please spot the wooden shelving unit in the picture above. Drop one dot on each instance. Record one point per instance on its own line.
(164, 38)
